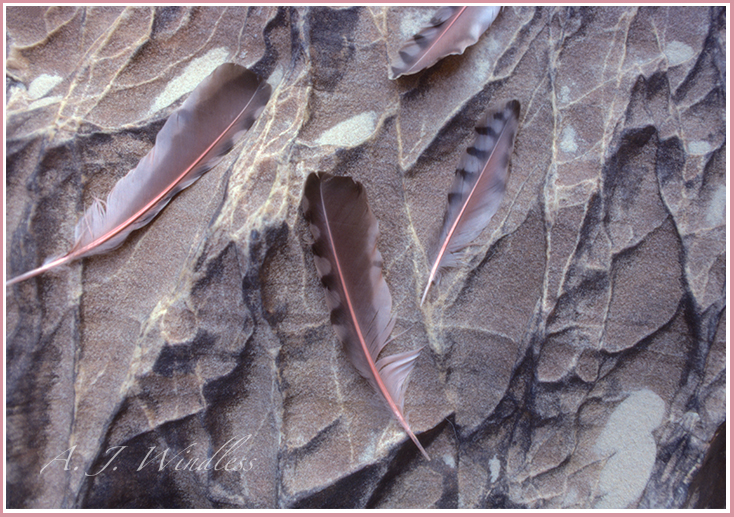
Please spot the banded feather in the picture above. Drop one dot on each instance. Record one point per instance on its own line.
(479, 184)
(450, 31)
(345, 253)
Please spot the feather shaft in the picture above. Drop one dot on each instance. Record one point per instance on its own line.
(346, 257)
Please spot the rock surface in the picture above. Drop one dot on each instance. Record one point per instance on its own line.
(576, 360)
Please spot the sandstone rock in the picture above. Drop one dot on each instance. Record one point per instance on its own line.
(576, 360)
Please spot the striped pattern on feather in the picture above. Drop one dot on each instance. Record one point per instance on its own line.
(478, 187)
(450, 31)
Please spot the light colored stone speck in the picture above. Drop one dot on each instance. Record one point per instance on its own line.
(699, 147)
(494, 469)
(449, 460)
(43, 84)
(716, 213)
(568, 142)
(196, 72)
(631, 449)
(678, 53)
(350, 132)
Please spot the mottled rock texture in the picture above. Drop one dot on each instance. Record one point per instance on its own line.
(576, 359)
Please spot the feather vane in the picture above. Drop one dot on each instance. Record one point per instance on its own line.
(345, 252)
(478, 188)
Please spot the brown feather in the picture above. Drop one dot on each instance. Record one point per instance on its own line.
(350, 266)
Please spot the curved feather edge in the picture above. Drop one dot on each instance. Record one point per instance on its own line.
(191, 142)
(478, 188)
(346, 257)
(450, 32)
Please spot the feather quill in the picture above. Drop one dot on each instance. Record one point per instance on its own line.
(449, 32)
(345, 252)
(191, 142)
(478, 188)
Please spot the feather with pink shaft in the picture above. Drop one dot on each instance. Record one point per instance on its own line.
(450, 31)
(479, 185)
(345, 253)
(191, 142)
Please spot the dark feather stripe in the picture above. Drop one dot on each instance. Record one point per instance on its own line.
(478, 153)
(486, 130)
